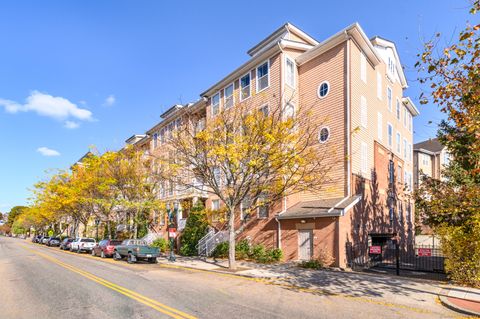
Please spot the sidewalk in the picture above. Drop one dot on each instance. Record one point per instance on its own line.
(462, 299)
(402, 290)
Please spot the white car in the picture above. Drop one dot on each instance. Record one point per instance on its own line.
(82, 244)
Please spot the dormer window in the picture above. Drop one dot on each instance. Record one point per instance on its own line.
(263, 79)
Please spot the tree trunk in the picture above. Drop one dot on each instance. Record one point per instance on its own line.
(84, 234)
(135, 224)
(232, 263)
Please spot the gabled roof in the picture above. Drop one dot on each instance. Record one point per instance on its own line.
(398, 65)
(134, 138)
(407, 101)
(354, 31)
(281, 33)
(432, 145)
(320, 208)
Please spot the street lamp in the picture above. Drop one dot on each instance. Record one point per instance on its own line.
(171, 228)
(97, 221)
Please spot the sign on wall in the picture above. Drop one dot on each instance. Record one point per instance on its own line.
(424, 252)
(375, 250)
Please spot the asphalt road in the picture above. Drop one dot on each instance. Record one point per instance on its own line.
(42, 282)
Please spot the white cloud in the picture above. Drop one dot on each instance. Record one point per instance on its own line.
(45, 151)
(110, 100)
(71, 125)
(43, 104)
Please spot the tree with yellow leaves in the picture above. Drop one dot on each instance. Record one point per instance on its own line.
(249, 155)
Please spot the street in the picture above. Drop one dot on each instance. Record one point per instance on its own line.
(43, 282)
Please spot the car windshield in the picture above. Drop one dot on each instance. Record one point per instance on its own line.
(88, 240)
(54, 238)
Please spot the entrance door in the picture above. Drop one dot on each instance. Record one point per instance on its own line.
(305, 244)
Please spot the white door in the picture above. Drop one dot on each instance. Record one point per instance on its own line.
(305, 244)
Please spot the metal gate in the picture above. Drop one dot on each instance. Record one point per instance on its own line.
(422, 261)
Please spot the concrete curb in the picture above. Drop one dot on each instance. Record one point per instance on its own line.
(446, 303)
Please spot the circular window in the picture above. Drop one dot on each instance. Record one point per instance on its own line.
(289, 111)
(323, 89)
(324, 134)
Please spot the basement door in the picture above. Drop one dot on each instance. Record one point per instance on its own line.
(305, 244)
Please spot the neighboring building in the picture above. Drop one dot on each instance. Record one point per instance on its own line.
(357, 84)
(429, 158)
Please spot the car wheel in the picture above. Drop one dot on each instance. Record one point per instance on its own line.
(93, 253)
(78, 251)
(116, 256)
(102, 254)
(153, 260)
(130, 259)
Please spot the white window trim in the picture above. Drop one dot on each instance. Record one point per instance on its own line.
(318, 90)
(388, 136)
(219, 103)
(390, 102)
(380, 126)
(213, 206)
(249, 87)
(399, 115)
(287, 58)
(264, 105)
(398, 141)
(405, 148)
(225, 95)
(268, 76)
(320, 132)
(379, 86)
(363, 67)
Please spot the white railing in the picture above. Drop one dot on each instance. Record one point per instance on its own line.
(201, 245)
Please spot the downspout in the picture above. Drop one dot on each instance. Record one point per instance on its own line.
(284, 199)
(349, 160)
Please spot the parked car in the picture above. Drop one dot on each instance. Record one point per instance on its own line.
(136, 249)
(105, 248)
(65, 244)
(44, 240)
(36, 238)
(53, 241)
(82, 244)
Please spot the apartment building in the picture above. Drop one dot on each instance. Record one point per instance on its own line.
(355, 87)
(429, 158)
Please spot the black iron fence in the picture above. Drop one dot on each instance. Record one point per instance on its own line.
(420, 260)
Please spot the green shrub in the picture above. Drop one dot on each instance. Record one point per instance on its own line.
(195, 228)
(258, 252)
(221, 251)
(242, 249)
(161, 244)
(275, 254)
(311, 264)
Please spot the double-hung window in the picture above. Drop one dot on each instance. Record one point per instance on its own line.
(228, 97)
(363, 67)
(245, 87)
(216, 104)
(162, 136)
(379, 85)
(405, 115)
(399, 143)
(264, 110)
(404, 148)
(155, 140)
(290, 72)
(380, 126)
(263, 77)
(215, 204)
(398, 110)
(390, 134)
(389, 98)
(410, 124)
(262, 208)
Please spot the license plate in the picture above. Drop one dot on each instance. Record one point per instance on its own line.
(148, 255)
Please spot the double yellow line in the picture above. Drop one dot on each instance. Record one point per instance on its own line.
(172, 312)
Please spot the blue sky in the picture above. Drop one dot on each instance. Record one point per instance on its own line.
(80, 73)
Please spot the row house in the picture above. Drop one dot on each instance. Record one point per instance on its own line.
(355, 86)
(430, 157)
